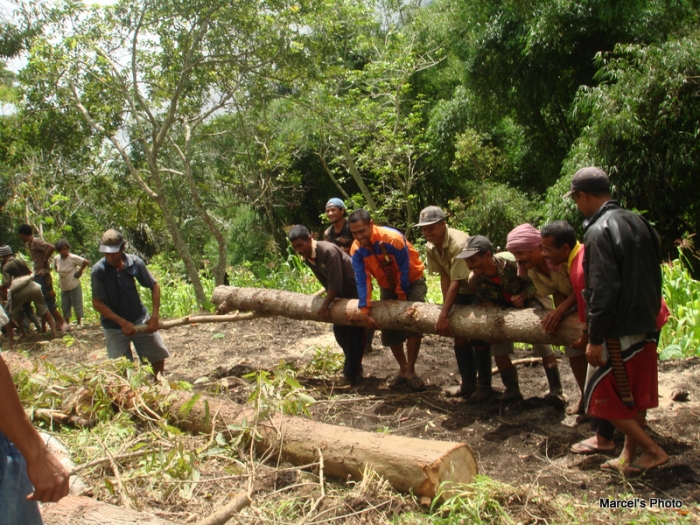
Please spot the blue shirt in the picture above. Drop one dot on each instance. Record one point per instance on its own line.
(117, 289)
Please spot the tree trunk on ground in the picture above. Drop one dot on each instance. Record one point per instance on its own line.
(73, 510)
(490, 324)
(409, 464)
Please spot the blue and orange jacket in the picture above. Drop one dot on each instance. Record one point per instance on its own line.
(392, 261)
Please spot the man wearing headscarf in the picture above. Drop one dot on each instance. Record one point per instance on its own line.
(553, 289)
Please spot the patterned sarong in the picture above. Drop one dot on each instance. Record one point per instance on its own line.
(603, 396)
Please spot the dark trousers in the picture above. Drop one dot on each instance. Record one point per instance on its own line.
(352, 340)
(603, 427)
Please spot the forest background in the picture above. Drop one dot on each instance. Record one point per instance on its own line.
(204, 129)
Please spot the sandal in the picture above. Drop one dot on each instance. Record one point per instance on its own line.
(416, 384)
(397, 380)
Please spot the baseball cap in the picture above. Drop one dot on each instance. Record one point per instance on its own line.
(430, 215)
(589, 180)
(111, 241)
(5, 251)
(335, 201)
(475, 244)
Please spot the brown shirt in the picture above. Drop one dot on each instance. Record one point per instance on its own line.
(38, 249)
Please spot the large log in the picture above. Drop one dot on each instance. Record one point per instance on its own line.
(491, 324)
(409, 464)
(79, 510)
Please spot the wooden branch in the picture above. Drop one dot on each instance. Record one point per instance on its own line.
(61, 418)
(237, 504)
(197, 319)
(490, 324)
(107, 460)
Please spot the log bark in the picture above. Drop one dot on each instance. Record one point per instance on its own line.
(73, 510)
(489, 324)
(409, 464)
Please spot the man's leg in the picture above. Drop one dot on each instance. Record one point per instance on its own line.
(635, 436)
(400, 357)
(66, 305)
(46, 284)
(601, 441)
(352, 340)
(555, 396)
(578, 368)
(482, 356)
(412, 349)
(15, 508)
(509, 374)
(150, 346)
(466, 364)
(47, 317)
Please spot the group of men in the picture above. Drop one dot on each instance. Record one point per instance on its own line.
(28, 471)
(21, 287)
(612, 281)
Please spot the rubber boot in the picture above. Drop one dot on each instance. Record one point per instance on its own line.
(484, 392)
(510, 381)
(555, 397)
(466, 364)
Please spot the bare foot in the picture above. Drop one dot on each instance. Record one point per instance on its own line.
(593, 445)
(576, 409)
(646, 462)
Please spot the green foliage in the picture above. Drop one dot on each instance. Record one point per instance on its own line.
(492, 210)
(681, 335)
(641, 126)
(324, 364)
(278, 391)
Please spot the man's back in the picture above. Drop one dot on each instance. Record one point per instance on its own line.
(622, 266)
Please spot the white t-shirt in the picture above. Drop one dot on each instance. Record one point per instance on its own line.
(66, 271)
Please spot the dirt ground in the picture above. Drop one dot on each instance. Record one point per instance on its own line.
(524, 444)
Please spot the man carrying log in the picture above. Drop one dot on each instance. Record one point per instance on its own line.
(622, 268)
(333, 268)
(116, 298)
(29, 473)
(553, 288)
(495, 282)
(386, 255)
(442, 247)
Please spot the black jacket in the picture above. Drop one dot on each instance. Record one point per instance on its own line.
(622, 266)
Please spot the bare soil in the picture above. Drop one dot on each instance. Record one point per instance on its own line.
(525, 444)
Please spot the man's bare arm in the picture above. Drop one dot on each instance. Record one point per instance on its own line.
(46, 473)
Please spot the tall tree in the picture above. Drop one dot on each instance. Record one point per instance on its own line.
(146, 76)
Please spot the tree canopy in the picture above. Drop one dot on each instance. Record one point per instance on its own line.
(202, 127)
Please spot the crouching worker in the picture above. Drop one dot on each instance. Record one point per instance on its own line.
(116, 298)
(22, 292)
(495, 282)
(553, 288)
(333, 268)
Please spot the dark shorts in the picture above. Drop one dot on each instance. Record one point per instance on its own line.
(416, 294)
(46, 283)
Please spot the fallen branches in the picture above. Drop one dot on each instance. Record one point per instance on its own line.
(474, 322)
